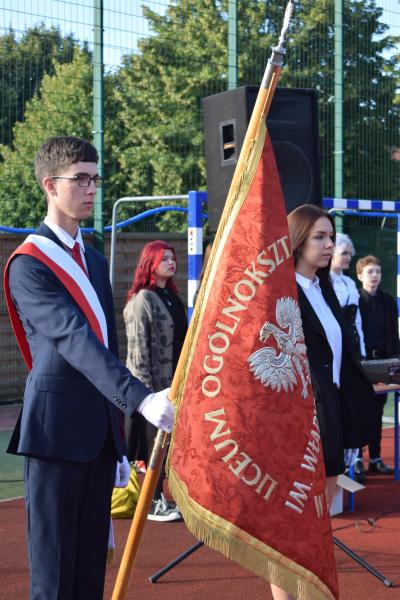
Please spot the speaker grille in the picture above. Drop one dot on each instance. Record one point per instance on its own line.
(295, 172)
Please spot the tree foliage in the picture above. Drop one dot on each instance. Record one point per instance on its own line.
(62, 106)
(370, 70)
(153, 114)
(23, 63)
(160, 89)
(160, 93)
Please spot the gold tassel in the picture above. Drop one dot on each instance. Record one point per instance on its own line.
(301, 590)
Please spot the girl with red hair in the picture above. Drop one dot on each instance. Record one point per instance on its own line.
(156, 326)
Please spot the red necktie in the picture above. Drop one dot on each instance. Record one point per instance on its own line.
(76, 255)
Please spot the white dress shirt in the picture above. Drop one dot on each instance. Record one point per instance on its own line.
(66, 239)
(331, 327)
(347, 293)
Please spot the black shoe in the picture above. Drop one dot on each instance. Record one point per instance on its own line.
(359, 471)
(380, 467)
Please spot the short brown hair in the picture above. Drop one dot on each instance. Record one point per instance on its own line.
(367, 260)
(300, 221)
(58, 153)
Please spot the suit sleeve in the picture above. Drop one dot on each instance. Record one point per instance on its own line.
(45, 306)
(394, 328)
(138, 315)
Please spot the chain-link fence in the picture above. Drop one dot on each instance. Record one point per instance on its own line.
(160, 59)
(377, 236)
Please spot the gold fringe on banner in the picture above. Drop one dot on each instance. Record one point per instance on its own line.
(301, 590)
(237, 545)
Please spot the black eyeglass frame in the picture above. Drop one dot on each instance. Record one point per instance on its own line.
(97, 179)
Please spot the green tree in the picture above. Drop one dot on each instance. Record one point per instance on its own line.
(160, 89)
(24, 61)
(371, 118)
(62, 106)
(153, 125)
(160, 93)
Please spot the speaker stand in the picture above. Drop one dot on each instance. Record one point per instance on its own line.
(176, 561)
(362, 562)
(338, 543)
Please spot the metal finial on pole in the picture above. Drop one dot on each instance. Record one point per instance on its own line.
(279, 51)
(286, 22)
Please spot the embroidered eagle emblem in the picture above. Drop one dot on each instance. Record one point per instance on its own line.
(280, 367)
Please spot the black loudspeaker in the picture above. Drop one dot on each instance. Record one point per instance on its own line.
(293, 126)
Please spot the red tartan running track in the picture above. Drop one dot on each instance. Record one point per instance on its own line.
(206, 574)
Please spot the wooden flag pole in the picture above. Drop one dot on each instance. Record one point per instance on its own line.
(260, 111)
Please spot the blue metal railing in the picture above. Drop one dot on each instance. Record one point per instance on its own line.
(147, 213)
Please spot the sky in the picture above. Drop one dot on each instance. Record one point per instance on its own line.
(123, 26)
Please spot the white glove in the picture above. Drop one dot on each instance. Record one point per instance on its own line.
(158, 410)
(123, 473)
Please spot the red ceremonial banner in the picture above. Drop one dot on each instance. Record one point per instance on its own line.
(245, 463)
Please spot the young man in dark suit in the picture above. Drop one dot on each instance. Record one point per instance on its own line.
(381, 332)
(69, 430)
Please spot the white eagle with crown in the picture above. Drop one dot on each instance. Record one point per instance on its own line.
(280, 367)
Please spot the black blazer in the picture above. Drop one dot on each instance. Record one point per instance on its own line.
(354, 422)
(77, 387)
(390, 323)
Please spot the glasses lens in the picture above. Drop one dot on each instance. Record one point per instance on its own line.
(83, 180)
(98, 182)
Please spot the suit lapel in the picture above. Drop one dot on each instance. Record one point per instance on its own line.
(95, 276)
(333, 303)
(91, 265)
(308, 312)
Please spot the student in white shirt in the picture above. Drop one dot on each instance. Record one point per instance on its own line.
(346, 291)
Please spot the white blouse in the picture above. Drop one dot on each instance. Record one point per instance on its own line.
(331, 327)
(347, 293)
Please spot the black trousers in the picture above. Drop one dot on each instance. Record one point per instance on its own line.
(374, 446)
(68, 519)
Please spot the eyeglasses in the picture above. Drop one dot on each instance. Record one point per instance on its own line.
(84, 180)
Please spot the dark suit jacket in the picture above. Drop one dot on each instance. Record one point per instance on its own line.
(390, 323)
(354, 422)
(76, 388)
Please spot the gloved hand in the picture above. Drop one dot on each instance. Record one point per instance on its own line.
(158, 410)
(123, 473)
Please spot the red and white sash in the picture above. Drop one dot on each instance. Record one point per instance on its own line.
(73, 279)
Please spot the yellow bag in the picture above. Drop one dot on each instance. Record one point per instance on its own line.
(124, 500)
